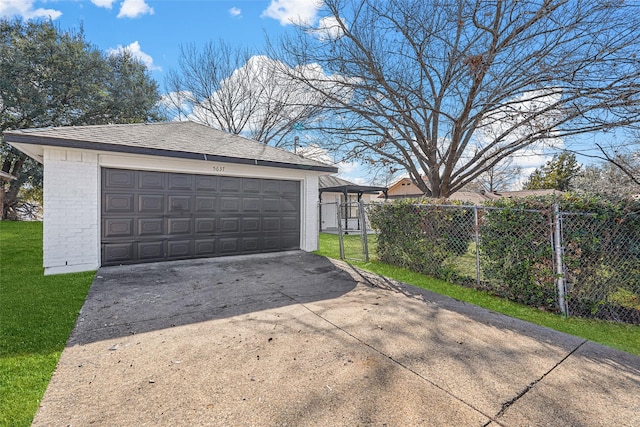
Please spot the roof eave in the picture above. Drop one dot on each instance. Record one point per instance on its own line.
(99, 146)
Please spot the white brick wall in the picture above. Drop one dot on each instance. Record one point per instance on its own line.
(309, 230)
(71, 213)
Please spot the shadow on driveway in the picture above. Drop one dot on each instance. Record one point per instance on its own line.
(127, 300)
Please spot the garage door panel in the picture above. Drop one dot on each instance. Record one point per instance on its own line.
(250, 225)
(289, 224)
(271, 225)
(271, 243)
(229, 225)
(115, 178)
(228, 245)
(270, 205)
(148, 227)
(118, 227)
(151, 180)
(271, 187)
(290, 188)
(205, 225)
(205, 204)
(180, 182)
(289, 205)
(204, 183)
(179, 249)
(179, 204)
(179, 226)
(250, 244)
(205, 247)
(153, 250)
(118, 203)
(229, 204)
(151, 203)
(230, 184)
(289, 241)
(153, 216)
(117, 252)
(251, 186)
(251, 204)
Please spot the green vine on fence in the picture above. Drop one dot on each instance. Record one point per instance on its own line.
(422, 237)
(600, 249)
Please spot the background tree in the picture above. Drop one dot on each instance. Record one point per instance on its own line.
(501, 177)
(558, 173)
(609, 180)
(450, 89)
(50, 77)
(236, 91)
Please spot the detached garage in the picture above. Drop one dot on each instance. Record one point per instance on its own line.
(124, 194)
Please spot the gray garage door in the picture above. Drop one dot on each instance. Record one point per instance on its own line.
(156, 216)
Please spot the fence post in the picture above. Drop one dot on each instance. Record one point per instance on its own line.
(340, 234)
(557, 250)
(476, 228)
(363, 228)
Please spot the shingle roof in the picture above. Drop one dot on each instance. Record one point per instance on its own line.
(332, 181)
(169, 139)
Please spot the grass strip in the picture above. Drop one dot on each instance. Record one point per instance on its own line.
(37, 315)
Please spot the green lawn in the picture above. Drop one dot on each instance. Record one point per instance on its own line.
(621, 336)
(37, 314)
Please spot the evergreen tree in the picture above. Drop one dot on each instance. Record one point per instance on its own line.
(50, 77)
(557, 174)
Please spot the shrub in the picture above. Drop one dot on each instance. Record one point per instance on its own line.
(422, 237)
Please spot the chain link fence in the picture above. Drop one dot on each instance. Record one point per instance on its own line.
(571, 263)
(349, 221)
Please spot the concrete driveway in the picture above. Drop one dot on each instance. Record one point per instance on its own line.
(295, 339)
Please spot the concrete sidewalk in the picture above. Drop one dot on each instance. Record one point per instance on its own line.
(295, 339)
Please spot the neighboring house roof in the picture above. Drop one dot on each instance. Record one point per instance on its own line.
(6, 177)
(405, 188)
(187, 140)
(333, 184)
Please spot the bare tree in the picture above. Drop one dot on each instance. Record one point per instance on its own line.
(450, 88)
(231, 89)
(500, 177)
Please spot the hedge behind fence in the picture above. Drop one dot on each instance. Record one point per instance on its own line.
(421, 237)
(600, 241)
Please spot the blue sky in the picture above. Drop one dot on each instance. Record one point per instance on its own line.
(155, 30)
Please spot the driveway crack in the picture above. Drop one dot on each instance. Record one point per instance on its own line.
(531, 385)
(490, 419)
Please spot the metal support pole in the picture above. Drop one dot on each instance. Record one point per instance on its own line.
(363, 221)
(340, 234)
(476, 231)
(557, 250)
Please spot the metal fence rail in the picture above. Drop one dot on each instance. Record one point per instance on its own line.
(572, 263)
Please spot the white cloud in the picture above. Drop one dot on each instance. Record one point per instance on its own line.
(107, 4)
(345, 169)
(134, 8)
(328, 29)
(135, 50)
(234, 11)
(253, 92)
(293, 11)
(24, 9)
